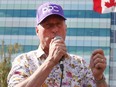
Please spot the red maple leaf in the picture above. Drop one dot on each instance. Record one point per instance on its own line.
(110, 4)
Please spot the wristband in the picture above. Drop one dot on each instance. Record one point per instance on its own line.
(101, 80)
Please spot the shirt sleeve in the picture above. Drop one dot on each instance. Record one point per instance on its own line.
(19, 71)
(88, 76)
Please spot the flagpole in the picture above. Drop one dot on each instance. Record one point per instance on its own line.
(112, 49)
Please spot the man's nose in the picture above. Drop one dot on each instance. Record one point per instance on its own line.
(55, 28)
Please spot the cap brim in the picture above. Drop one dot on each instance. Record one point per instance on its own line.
(50, 15)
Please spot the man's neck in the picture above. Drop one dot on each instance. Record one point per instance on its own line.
(46, 50)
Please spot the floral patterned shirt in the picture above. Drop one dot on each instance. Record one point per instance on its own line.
(76, 72)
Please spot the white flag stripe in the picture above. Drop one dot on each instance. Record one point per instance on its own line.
(114, 9)
(104, 6)
(106, 9)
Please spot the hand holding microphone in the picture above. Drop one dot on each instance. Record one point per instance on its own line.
(58, 38)
(57, 49)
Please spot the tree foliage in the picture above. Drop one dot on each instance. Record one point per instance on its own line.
(5, 63)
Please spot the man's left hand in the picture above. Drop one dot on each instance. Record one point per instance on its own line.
(98, 63)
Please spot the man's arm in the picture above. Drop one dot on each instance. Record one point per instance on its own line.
(101, 82)
(39, 76)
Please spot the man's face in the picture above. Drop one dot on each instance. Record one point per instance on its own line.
(51, 27)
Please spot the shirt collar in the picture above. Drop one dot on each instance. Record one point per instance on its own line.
(40, 53)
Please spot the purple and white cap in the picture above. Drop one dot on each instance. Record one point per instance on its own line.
(48, 9)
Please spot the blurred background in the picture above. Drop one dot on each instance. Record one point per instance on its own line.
(86, 30)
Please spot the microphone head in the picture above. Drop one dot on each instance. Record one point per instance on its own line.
(57, 37)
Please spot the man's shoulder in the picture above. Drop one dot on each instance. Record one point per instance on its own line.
(26, 55)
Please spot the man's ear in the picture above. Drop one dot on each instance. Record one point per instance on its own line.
(37, 30)
(66, 27)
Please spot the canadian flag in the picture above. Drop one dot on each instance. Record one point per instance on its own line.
(104, 6)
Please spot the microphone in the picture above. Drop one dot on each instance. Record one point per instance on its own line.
(61, 62)
(56, 38)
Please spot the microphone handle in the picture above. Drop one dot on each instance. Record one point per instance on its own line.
(61, 64)
(61, 60)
